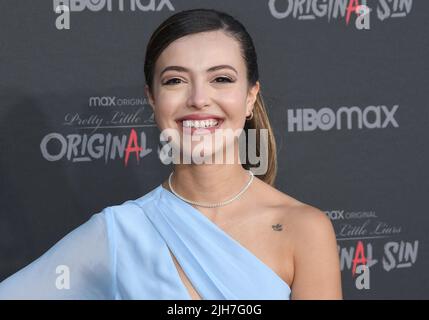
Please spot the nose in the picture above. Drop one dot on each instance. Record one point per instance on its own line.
(199, 96)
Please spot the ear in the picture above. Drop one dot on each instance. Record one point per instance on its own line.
(251, 98)
(149, 96)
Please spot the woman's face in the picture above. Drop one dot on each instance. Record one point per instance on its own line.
(201, 76)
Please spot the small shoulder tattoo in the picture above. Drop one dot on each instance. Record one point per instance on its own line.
(277, 227)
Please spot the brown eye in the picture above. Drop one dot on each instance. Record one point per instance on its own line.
(169, 82)
(224, 78)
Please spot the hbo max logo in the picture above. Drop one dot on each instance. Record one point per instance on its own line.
(371, 117)
(109, 5)
(64, 7)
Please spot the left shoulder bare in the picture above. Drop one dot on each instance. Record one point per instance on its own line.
(312, 223)
(317, 268)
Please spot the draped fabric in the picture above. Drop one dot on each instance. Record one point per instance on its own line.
(125, 252)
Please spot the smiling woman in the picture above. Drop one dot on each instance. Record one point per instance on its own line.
(210, 230)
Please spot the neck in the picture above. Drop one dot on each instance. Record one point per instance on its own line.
(209, 182)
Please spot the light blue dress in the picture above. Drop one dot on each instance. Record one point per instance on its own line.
(123, 252)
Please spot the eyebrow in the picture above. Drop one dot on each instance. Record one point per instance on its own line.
(211, 69)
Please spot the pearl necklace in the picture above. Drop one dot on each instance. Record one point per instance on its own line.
(212, 205)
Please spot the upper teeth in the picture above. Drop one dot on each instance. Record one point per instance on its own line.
(200, 123)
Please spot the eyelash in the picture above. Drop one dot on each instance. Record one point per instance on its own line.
(226, 78)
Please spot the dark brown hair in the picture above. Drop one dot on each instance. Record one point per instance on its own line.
(202, 20)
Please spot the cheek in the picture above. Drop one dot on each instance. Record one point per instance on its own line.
(161, 117)
(234, 106)
(165, 112)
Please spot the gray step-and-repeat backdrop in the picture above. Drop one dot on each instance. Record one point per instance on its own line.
(347, 94)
